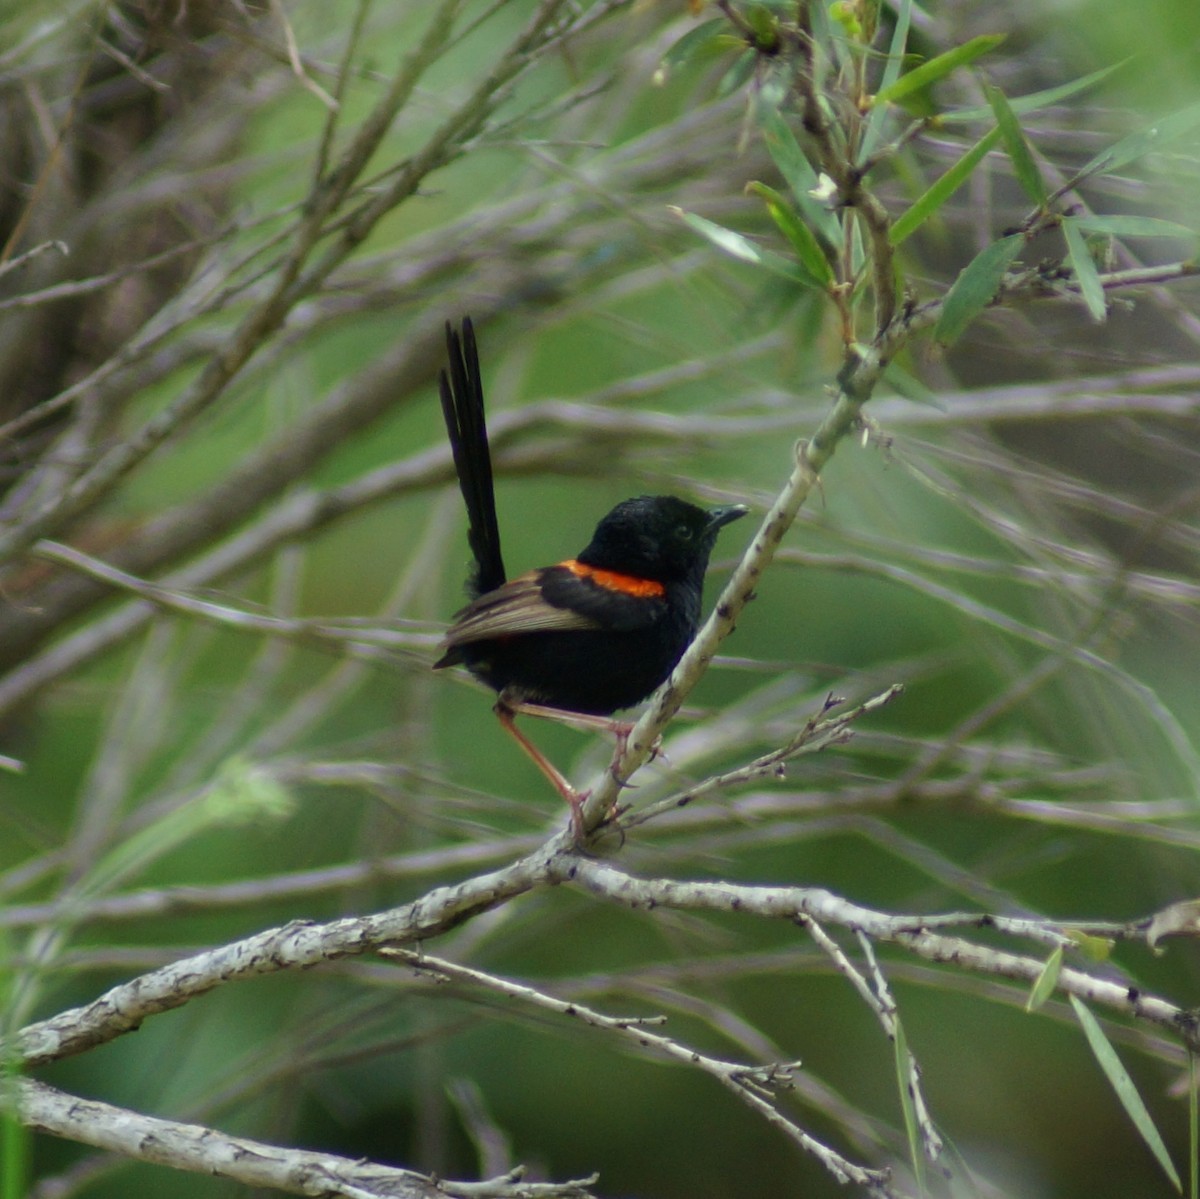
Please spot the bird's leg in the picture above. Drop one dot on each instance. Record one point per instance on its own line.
(507, 715)
(585, 722)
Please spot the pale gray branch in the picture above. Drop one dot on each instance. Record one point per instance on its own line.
(205, 1150)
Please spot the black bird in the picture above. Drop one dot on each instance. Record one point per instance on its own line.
(580, 639)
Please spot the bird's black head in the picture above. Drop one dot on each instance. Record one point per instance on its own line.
(658, 537)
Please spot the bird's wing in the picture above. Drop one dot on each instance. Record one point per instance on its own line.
(611, 599)
(557, 599)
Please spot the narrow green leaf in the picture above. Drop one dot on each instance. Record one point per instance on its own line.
(1193, 1131)
(739, 73)
(912, 1128)
(975, 287)
(1046, 981)
(15, 1138)
(801, 237)
(1086, 274)
(785, 151)
(797, 172)
(891, 72)
(1133, 226)
(899, 43)
(938, 68)
(858, 255)
(1095, 949)
(14, 1143)
(708, 40)
(736, 245)
(1034, 100)
(1139, 143)
(827, 33)
(941, 189)
(1127, 1093)
(1028, 174)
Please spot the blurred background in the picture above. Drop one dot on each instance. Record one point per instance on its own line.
(1015, 540)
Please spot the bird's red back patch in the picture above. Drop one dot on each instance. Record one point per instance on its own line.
(612, 580)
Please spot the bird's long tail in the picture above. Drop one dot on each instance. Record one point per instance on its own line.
(462, 406)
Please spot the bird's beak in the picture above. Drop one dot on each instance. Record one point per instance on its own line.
(718, 518)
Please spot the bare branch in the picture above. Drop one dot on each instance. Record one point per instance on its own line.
(204, 1150)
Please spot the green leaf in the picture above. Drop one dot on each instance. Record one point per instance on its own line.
(899, 43)
(737, 245)
(1193, 1130)
(801, 237)
(15, 1139)
(708, 40)
(1139, 143)
(1046, 981)
(1086, 274)
(1127, 1093)
(1133, 226)
(1028, 174)
(1034, 100)
(941, 189)
(975, 287)
(938, 68)
(797, 172)
(15, 1144)
(1095, 949)
(911, 1126)
(737, 74)
(891, 72)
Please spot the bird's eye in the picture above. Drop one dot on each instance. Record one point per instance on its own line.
(683, 533)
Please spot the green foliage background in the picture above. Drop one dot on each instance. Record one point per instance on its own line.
(940, 553)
